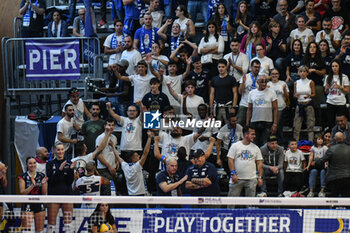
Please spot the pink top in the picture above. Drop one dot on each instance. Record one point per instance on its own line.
(244, 47)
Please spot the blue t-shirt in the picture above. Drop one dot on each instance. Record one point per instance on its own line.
(146, 38)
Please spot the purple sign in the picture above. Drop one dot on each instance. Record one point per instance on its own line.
(52, 59)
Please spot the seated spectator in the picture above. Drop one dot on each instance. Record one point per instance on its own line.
(285, 18)
(294, 165)
(327, 137)
(312, 16)
(263, 10)
(339, 15)
(318, 151)
(224, 21)
(304, 92)
(33, 18)
(321, 6)
(304, 34)
(57, 27)
(100, 217)
(242, 21)
(79, 23)
(343, 125)
(344, 53)
(273, 158)
(266, 63)
(326, 54)
(251, 39)
(332, 36)
(187, 28)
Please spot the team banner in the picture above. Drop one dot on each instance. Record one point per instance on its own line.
(52, 59)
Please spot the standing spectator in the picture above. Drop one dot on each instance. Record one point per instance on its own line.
(79, 23)
(201, 78)
(194, 6)
(292, 62)
(322, 6)
(344, 54)
(117, 11)
(181, 54)
(157, 61)
(155, 99)
(168, 181)
(131, 55)
(133, 10)
(332, 36)
(304, 91)
(156, 13)
(146, 36)
(294, 165)
(131, 139)
(57, 27)
(227, 136)
(79, 108)
(313, 60)
(262, 111)
(92, 128)
(311, 16)
(223, 20)
(264, 9)
(245, 162)
(336, 86)
(65, 129)
(223, 93)
(33, 18)
(338, 158)
(251, 39)
(41, 158)
(3, 184)
(186, 24)
(284, 18)
(211, 48)
(282, 93)
(173, 39)
(304, 34)
(339, 16)
(247, 83)
(343, 125)
(103, 22)
(32, 183)
(114, 44)
(273, 158)
(266, 63)
(60, 178)
(318, 151)
(242, 21)
(238, 62)
(106, 162)
(133, 169)
(202, 177)
(101, 216)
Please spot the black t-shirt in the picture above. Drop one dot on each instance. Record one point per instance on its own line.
(223, 88)
(275, 51)
(316, 77)
(36, 20)
(164, 177)
(96, 220)
(339, 18)
(155, 102)
(294, 62)
(91, 130)
(327, 62)
(202, 83)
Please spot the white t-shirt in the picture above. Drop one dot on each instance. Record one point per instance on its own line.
(134, 178)
(141, 85)
(157, 17)
(191, 104)
(302, 36)
(319, 152)
(89, 185)
(262, 104)
(241, 60)
(131, 139)
(113, 58)
(183, 24)
(83, 160)
(107, 152)
(225, 135)
(133, 57)
(303, 88)
(245, 157)
(66, 128)
(176, 82)
(41, 167)
(212, 42)
(336, 96)
(171, 145)
(278, 89)
(156, 64)
(208, 132)
(294, 161)
(247, 89)
(266, 64)
(78, 118)
(336, 37)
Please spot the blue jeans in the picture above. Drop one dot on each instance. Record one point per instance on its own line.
(193, 7)
(313, 177)
(280, 179)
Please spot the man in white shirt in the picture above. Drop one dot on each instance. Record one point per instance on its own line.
(332, 36)
(262, 113)
(238, 62)
(244, 160)
(131, 55)
(65, 129)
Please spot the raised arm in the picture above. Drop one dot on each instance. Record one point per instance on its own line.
(147, 148)
(117, 74)
(112, 113)
(153, 71)
(173, 56)
(173, 93)
(100, 148)
(208, 152)
(162, 31)
(188, 68)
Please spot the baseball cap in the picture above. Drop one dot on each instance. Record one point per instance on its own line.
(73, 91)
(123, 63)
(198, 153)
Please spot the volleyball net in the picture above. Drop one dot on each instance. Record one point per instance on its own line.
(175, 214)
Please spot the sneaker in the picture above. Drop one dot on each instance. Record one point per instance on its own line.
(311, 194)
(102, 23)
(262, 194)
(321, 194)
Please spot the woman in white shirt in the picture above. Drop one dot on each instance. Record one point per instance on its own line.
(304, 91)
(282, 92)
(211, 48)
(304, 34)
(336, 86)
(186, 24)
(266, 63)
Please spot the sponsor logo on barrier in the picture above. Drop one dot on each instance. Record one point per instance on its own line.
(269, 201)
(34, 199)
(209, 200)
(87, 199)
